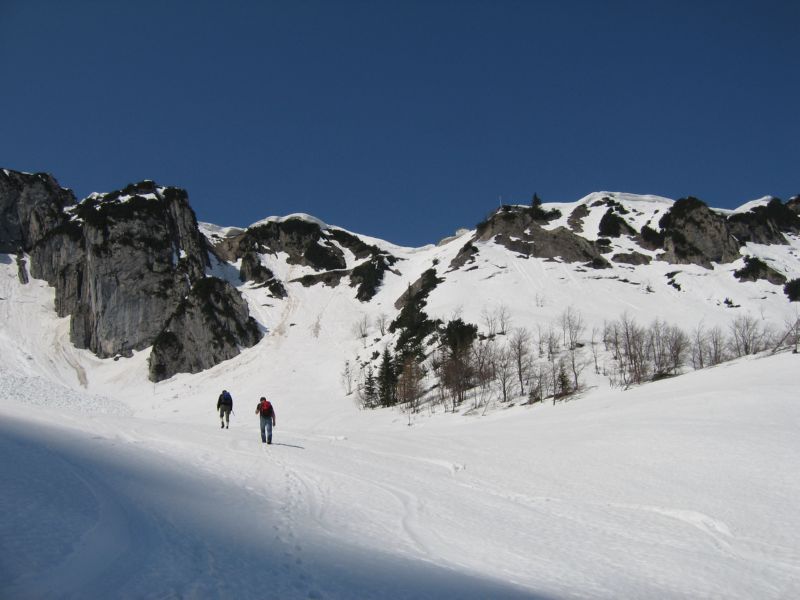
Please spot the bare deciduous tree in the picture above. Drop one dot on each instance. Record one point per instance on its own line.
(716, 346)
(572, 327)
(594, 343)
(699, 347)
(504, 367)
(521, 353)
(347, 377)
(747, 336)
(361, 328)
(503, 319)
(489, 319)
(409, 385)
(483, 365)
(381, 321)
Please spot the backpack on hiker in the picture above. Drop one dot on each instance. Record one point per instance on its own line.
(265, 408)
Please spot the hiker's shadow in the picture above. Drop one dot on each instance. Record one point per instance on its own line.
(288, 445)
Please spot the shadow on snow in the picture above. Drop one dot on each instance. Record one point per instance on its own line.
(91, 517)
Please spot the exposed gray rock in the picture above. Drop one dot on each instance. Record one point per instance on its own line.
(517, 230)
(694, 234)
(210, 325)
(141, 254)
(794, 204)
(575, 220)
(631, 258)
(368, 276)
(613, 225)
(465, 256)
(755, 269)
(302, 240)
(121, 264)
(252, 270)
(22, 269)
(31, 205)
(307, 244)
(765, 224)
(329, 278)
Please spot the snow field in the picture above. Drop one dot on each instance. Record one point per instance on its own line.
(685, 488)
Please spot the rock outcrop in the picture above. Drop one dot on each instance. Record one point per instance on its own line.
(31, 205)
(210, 325)
(694, 234)
(301, 240)
(755, 269)
(120, 263)
(765, 224)
(517, 229)
(306, 243)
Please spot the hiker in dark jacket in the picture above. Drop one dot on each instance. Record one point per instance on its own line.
(267, 418)
(225, 406)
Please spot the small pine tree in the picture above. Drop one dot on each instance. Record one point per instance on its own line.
(387, 380)
(564, 383)
(370, 392)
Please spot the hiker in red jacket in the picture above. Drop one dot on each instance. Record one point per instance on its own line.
(267, 413)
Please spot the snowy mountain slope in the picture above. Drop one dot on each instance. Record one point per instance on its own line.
(681, 488)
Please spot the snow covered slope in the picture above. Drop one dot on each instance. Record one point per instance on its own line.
(687, 487)
(682, 488)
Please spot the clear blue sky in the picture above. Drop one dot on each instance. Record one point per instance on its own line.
(403, 120)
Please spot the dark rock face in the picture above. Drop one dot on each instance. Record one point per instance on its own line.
(120, 263)
(631, 258)
(368, 276)
(765, 224)
(575, 220)
(794, 204)
(465, 256)
(694, 234)
(613, 225)
(209, 326)
(307, 244)
(755, 269)
(252, 270)
(30, 207)
(517, 230)
(302, 241)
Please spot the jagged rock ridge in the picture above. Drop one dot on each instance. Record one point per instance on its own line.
(121, 264)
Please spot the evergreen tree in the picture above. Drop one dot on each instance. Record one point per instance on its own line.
(387, 380)
(370, 392)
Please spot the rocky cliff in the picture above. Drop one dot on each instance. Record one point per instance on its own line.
(210, 325)
(121, 263)
(31, 205)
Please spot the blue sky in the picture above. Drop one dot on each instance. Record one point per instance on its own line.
(403, 120)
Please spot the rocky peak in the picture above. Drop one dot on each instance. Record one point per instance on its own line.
(31, 205)
(121, 264)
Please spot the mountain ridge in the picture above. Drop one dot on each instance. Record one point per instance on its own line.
(145, 238)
